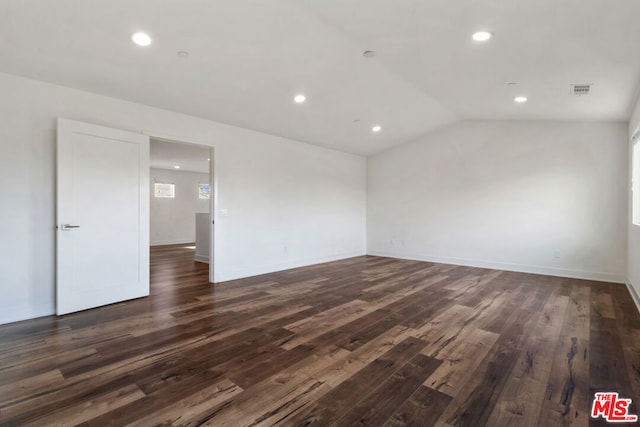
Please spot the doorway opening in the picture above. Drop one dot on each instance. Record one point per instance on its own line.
(181, 206)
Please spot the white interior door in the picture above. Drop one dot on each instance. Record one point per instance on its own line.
(102, 243)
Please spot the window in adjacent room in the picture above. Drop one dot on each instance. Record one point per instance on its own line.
(164, 190)
(204, 191)
(635, 179)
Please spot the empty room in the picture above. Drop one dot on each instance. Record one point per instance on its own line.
(319, 213)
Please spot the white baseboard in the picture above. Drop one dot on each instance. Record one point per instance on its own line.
(634, 294)
(521, 268)
(242, 273)
(17, 314)
(201, 258)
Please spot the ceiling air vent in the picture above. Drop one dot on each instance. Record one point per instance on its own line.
(582, 89)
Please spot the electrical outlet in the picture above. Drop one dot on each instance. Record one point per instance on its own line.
(556, 253)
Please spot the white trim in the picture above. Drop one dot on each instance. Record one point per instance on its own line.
(213, 216)
(521, 268)
(634, 294)
(201, 258)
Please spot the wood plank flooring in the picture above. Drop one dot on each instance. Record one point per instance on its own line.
(365, 341)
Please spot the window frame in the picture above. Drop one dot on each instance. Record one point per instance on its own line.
(200, 192)
(155, 190)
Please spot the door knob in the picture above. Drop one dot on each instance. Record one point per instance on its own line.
(65, 227)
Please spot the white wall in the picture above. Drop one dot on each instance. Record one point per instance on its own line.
(506, 195)
(203, 232)
(174, 220)
(633, 230)
(288, 203)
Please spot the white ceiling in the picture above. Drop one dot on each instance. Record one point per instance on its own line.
(248, 58)
(190, 157)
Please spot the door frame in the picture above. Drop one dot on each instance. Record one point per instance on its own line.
(213, 201)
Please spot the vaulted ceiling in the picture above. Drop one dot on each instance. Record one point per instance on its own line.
(247, 59)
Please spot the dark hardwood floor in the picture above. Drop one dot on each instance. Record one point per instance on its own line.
(364, 341)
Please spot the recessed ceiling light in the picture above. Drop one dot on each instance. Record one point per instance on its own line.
(520, 99)
(141, 39)
(369, 54)
(376, 128)
(176, 167)
(299, 99)
(183, 54)
(481, 36)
